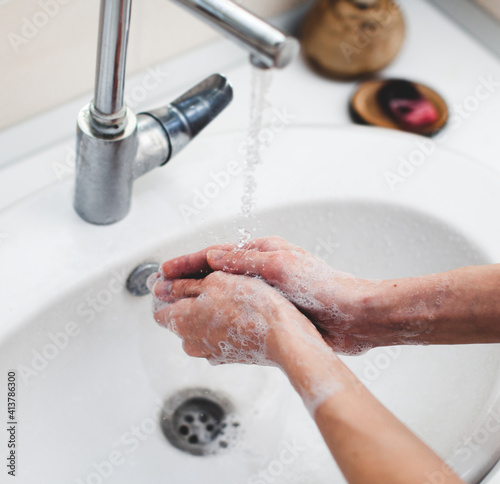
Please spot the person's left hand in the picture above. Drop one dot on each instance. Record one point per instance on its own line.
(230, 318)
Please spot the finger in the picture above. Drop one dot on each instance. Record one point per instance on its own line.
(269, 244)
(173, 315)
(191, 265)
(152, 280)
(195, 265)
(194, 350)
(268, 265)
(171, 291)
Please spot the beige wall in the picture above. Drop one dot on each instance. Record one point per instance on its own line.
(49, 58)
(491, 5)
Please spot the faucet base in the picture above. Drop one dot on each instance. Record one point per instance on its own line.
(106, 165)
(104, 170)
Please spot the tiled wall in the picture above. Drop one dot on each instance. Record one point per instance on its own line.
(48, 47)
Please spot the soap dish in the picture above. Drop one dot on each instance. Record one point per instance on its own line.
(399, 104)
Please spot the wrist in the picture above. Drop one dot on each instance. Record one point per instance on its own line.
(365, 312)
(312, 367)
(290, 338)
(404, 311)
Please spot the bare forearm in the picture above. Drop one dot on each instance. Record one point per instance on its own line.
(456, 307)
(367, 441)
(371, 445)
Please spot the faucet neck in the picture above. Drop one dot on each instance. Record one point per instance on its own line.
(268, 47)
(108, 110)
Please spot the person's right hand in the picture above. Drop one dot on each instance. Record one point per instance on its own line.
(332, 300)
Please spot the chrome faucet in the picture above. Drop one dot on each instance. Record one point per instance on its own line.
(115, 146)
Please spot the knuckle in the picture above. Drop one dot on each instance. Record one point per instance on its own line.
(215, 278)
(276, 239)
(189, 351)
(241, 256)
(162, 316)
(192, 350)
(159, 320)
(183, 287)
(280, 261)
(276, 267)
(276, 243)
(178, 287)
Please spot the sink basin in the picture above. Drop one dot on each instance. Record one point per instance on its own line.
(94, 371)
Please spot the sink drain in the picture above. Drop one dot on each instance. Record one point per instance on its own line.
(137, 280)
(199, 421)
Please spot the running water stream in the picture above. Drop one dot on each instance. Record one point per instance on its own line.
(261, 82)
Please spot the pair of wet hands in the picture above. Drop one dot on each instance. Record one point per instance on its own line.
(230, 305)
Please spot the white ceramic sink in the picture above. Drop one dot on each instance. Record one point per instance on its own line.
(324, 188)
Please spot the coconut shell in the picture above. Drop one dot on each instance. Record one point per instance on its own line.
(347, 39)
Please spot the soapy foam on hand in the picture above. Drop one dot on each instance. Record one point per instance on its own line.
(317, 289)
(314, 287)
(244, 341)
(153, 279)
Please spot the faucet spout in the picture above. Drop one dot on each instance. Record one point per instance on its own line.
(268, 46)
(179, 122)
(185, 118)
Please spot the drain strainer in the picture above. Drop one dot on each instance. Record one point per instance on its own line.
(199, 421)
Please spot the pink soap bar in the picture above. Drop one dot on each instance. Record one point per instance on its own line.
(403, 102)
